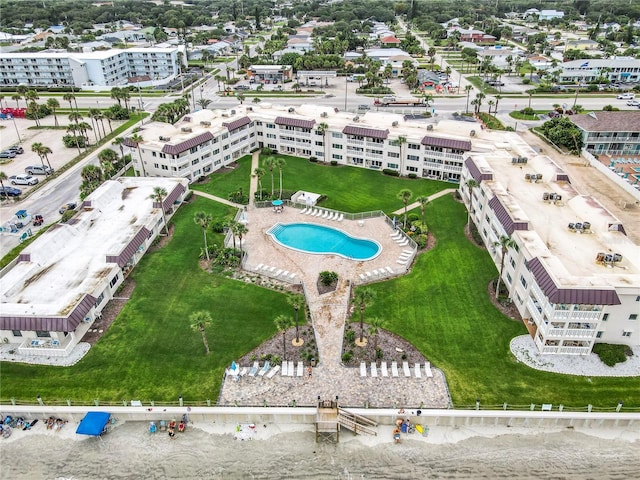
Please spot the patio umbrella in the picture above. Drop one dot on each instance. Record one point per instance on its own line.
(243, 218)
(276, 203)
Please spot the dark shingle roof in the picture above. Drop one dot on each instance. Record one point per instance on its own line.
(235, 124)
(447, 143)
(187, 144)
(475, 172)
(504, 217)
(365, 132)
(295, 122)
(50, 324)
(132, 247)
(608, 121)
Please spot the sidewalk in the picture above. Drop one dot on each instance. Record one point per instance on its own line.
(413, 205)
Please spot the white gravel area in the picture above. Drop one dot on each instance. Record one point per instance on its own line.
(587, 365)
(9, 353)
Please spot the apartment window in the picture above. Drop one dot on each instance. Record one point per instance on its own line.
(42, 333)
(195, 162)
(638, 298)
(336, 134)
(337, 146)
(156, 165)
(523, 281)
(335, 156)
(154, 154)
(16, 333)
(512, 262)
(319, 144)
(413, 157)
(392, 165)
(626, 333)
(271, 125)
(484, 232)
(393, 155)
(486, 217)
(99, 299)
(633, 316)
(414, 146)
(376, 163)
(508, 278)
(412, 169)
(605, 317)
(114, 280)
(599, 335)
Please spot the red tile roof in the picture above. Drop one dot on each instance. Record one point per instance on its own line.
(235, 124)
(295, 122)
(365, 132)
(389, 39)
(187, 144)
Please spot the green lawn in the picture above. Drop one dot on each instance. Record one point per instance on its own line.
(150, 351)
(442, 307)
(222, 184)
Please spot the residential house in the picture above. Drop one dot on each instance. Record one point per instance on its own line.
(550, 14)
(389, 41)
(582, 44)
(498, 56)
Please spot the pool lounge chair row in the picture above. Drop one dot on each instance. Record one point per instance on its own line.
(254, 371)
(404, 257)
(374, 371)
(326, 214)
(275, 272)
(400, 238)
(379, 273)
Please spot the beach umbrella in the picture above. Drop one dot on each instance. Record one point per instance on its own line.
(243, 218)
(277, 203)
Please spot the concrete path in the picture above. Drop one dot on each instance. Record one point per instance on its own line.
(253, 186)
(217, 199)
(413, 205)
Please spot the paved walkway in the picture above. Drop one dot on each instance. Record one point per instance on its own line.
(413, 205)
(217, 199)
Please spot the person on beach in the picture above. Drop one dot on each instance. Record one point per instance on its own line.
(310, 372)
(181, 427)
(172, 433)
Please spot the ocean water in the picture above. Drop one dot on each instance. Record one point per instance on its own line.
(129, 452)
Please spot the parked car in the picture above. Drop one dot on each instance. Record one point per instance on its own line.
(7, 154)
(626, 96)
(363, 106)
(38, 170)
(10, 192)
(67, 206)
(16, 149)
(38, 220)
(23, 180)
(242, 87)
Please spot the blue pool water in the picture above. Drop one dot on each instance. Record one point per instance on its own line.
(318, 239)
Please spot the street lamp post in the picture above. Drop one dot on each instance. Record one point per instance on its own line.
(346, 89)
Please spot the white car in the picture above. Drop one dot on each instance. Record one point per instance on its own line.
(23, 180)
(626, 96)
(633, 103)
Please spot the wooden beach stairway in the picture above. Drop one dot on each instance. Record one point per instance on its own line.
(330, 418)
(356, 423)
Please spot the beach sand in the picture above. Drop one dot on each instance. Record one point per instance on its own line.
(207, 451)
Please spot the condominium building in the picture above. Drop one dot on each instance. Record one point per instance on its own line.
(573, 274)
(59, 285)
(618, 69)
(614, 133)
(206, 140)
(106, 68)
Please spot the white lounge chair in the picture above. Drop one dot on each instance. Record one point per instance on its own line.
(394, 369)
(292, 276)
(259, 267)
(363, 369)
(285, 368)
(403, 243)
(333, 216)
(285, 274)
(319, 212)
(368, 274)
(410, 252)
(341, 217)
(389, 269)
(374, 370)
(300, 371)
(401, 262)
(273, 371)
(325, 214)
(383, 369)
(309, 212)
(427, 369)
(272, 269)
(278, 272)
(264, 369)
(291, 369)
(254, 369)
(244, 371)
(405, 369)
(417, 370)
(404, 255)
(375, 273)
(395, 234)
(362, 277)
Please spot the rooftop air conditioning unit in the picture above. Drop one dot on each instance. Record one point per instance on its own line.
(164, 139)
(186, 129)
(291, 110)
(472, 133)
(233, 112)
(250, 109)
(429, 127)
(324, 115)
(356, 119)
(226, 115)
(394, 124)
(204, 124)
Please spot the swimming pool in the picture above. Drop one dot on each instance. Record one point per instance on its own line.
(321, 240)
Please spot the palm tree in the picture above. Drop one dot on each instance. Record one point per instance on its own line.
(505, 243)
(108, 114)
(471, 184)
(490, 104)
(69, 97)
(35, 147)
(362, 298)
(75, 117)
(73, 129)
(479, 97)
(53, 104)
(92, 177)
(204, 220)
(240, 229)
(84, 127)
(3, 177)
(43, 152)
(199, 321)
(259, 172)
(16, 97)
(119, 142)
(323, 128)
(468, 89)
(34, 109)
(423, 200)
(400, 142)
(256, 100)
(270, 164)
(498, 98)
(137, 139)
(116, 94)
(231, 226)
(296, 301)
(158, 196)
(375, 324)
(204, 102)
(405, 195)
(282, 324)
(280, 163)
(240, 96)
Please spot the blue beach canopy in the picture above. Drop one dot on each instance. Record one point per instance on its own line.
(277, 203)
(93, 423)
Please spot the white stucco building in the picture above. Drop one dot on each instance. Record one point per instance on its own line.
(105, 68)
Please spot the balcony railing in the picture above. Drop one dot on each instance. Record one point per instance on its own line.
(443, 156)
